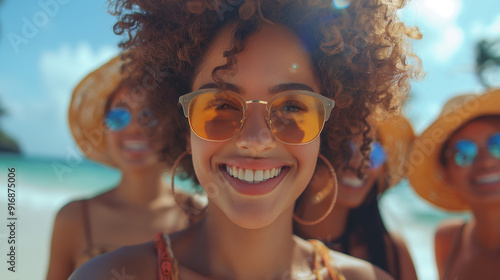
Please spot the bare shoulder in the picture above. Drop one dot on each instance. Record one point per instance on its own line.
(354, 268)
(448, 229)
(445, 235)
(70, 211)
(67, 239)
(443, 240)
(68, 222)
(130, 262)
(406, 266)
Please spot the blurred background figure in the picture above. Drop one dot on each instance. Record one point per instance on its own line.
(460, 171)
(355, 226)
(112, 126)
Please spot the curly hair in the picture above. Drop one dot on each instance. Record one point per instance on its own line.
(360, 54)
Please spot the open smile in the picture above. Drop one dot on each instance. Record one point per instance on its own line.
(135, 145)
(253, 181)
(352, 182)
(253, 176)
(487, 179)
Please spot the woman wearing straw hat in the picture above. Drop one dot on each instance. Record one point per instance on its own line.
(112, 126)
(355, 226)
(455, 164)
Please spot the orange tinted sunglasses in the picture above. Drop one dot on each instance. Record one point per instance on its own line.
(294, 117)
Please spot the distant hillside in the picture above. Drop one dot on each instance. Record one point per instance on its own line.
(8, 145)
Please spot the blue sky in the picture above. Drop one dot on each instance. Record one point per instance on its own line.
(47, 46)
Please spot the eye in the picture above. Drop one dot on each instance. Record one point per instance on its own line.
(222, 104)
(146, 118)
(292, 106)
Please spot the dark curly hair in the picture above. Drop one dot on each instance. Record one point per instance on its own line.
(360, 54)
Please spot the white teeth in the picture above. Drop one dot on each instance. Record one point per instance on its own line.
(258, 175)
(352, 182)
(135, 145)
(253, 176)
(488, 179)
(249, 175)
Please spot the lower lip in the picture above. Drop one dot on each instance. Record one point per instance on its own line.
(254, 189)
(136, 153)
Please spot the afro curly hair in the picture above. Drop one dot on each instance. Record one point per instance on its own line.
(361, 55)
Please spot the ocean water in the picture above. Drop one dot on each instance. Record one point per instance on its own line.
(43, 186)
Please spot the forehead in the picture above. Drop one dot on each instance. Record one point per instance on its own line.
(271, 56)
(478, 129)
(125, 96)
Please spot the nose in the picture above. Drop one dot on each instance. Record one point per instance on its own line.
(356, 160)
(255, 136)
(485, 159)
(134, 126)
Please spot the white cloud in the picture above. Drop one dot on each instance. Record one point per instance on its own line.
(62, 69)
(43, 115)
(438, 12)
(448, 43)
(480, 29)
(438, 22)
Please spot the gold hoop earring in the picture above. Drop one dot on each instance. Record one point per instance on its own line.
(333, 186)
(187, 209)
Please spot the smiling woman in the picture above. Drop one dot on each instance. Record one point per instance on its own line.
(112, 125)
(462, 172)
(265, 87)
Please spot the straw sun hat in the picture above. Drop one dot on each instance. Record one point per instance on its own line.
(426, 173)
(86, 110)
(396, 135)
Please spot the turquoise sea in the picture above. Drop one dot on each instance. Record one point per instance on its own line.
(44, 185)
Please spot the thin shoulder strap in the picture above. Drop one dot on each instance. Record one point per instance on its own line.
(454, 251)
(167, 265)
(86, 223)
(322, 256)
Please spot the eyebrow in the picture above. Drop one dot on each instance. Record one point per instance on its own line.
(229, 86)
(121, 104)
(276, 89)
(290, 86)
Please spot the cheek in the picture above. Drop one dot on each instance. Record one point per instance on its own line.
(202, 152)
(372, 176)
(455, 175)
(111, 139)
(307, 157)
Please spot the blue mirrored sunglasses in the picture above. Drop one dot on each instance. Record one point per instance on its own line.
(118, 119)
(378, 155)
(465, 151)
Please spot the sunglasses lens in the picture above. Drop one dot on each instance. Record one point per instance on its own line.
(296, 118)
(117, 119)
(465, 152)
(494, 145)
(215, 115)
(146, 119)
(377, 155)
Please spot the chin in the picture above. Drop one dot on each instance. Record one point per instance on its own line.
(349, 204)
(139, 164)
(252, 215)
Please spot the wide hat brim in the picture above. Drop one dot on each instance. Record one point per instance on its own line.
(87, 109)
(426, 174)
(396, 135)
